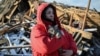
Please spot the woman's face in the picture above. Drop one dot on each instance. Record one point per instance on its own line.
(50, 14)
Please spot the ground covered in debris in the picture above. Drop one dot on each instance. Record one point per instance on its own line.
(17, 17)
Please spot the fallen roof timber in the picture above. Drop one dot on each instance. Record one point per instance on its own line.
(86, 35)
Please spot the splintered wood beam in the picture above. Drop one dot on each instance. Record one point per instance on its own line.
(85, 35)
(6, 9)
(14, 8)
(9, 16)
(71, 18)
(76, 17)
(17, 2)
(84, 21)
(28, 17)
(31, 5)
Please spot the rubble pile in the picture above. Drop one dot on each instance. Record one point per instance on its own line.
(17, 17)
(16, 21)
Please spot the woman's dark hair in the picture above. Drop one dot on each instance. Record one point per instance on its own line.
(43, 16)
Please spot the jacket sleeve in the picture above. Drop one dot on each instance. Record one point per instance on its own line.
(73, 45)
(42, 43)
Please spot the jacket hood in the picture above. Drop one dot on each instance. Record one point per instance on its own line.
(40, 10)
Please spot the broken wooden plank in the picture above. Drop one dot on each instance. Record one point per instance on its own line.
(86, 35)
(11, 13)
(84, 21)
(13, 10)
(6, 7)
(13, 47)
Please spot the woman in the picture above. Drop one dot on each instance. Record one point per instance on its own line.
(48, 38)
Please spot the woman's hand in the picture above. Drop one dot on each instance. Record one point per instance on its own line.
(67, 53)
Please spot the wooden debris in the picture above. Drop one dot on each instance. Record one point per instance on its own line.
(14, 47)
(16, 23)
(3, 40)
(86, 35)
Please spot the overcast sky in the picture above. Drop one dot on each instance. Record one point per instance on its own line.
(94, 3)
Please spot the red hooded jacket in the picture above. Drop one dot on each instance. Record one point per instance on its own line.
(41, 43)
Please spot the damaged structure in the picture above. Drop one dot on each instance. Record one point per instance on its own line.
(17, 17)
